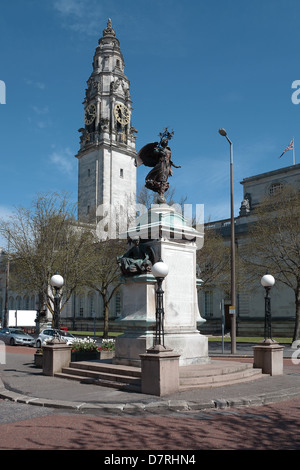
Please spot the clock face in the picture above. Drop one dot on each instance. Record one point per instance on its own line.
(90, 114)
(122, 114)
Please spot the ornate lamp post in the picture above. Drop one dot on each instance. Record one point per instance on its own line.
(268, 281)
(159, 271)
(233, 289)
(57, 281)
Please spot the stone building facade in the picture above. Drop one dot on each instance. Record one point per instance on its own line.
(250, 304)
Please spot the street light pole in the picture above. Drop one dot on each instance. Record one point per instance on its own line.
(57, 282)
(159, 271)
(233, 286)
(268, 281)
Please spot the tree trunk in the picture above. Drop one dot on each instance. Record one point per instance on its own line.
(297, 321)
(106, 313)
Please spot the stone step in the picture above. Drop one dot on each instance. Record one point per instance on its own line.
(107, 367)
(105, 374)
(188, 383)
(216, 374)
(212, 374)
(213, 368)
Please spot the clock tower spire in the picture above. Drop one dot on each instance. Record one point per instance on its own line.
(106, 159)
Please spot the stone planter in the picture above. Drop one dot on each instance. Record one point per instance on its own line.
(38, 360)
(85, 356)
(107, 354)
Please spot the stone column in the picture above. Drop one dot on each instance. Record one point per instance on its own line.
(268, 356)
(56, 356)
(138, 317)
(160, 371)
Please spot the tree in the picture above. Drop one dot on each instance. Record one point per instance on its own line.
(146, 197)
(274, 243)
(214, 260)
(46, 239)
(105, 275)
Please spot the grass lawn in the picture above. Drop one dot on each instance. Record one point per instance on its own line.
(99, 334)
(249, 339)
(239, 339)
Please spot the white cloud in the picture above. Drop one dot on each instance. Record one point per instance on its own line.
(64, 161)
(70, 7)
(5, 212)
(39, 110)
(39, 85)
(82, 16)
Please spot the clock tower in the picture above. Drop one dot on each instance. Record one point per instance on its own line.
(106, 159)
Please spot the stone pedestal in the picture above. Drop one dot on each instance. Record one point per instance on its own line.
(268, 356)
(160, 371)
(55, 356)
(138, 317)
(168, 236)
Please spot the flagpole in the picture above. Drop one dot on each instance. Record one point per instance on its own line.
(294, 162)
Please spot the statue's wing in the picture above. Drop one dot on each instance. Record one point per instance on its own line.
(147, 156)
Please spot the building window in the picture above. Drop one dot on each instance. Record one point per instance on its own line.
(208, 304)
(91, 304)
(275, 188)
(26, 303)
(118, 304)
(11, 303)
(81, 304)
(121, 173)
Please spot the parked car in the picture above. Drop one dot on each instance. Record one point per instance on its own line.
(15, 336)
(48, 334)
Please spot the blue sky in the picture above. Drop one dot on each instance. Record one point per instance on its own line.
(194, 66)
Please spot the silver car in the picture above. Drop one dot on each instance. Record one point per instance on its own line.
(48, 334)
(16, 336)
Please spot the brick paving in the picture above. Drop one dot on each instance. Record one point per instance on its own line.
(272, 426)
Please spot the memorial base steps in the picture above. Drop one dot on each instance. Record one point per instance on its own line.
(213, 374)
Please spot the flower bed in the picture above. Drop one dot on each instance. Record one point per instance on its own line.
(87, 350)
(107, 345)
(84, 349)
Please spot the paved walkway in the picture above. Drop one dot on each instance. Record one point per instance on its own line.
(73, 416)
(21, 381)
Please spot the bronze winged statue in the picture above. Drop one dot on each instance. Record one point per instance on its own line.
(158, 156)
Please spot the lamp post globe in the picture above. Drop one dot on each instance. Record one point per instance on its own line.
(57, 281)
(267, 280)
(160, 269)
